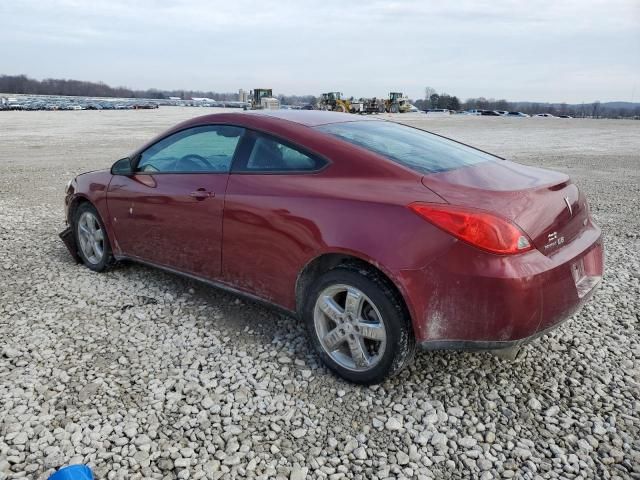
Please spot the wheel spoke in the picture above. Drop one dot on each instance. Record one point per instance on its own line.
(353, 303)
(97, 249)
(331, 309)
(88, 250)
(372, 331)
(83, 229)
(99, 235)
(83, 242)
(93, 226)
(358, 353)
(334, 338)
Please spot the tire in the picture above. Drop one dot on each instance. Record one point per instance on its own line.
(94, 248)
(379, 353)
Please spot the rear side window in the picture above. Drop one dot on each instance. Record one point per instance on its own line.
(416, 149)
(270, 155)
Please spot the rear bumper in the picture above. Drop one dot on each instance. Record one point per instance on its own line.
(471, 300)
(486, 345)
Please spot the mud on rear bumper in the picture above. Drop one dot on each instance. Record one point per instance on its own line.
(505, 345)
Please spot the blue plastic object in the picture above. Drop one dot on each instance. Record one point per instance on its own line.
(73, 472)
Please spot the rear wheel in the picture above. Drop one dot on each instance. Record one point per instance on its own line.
(358, 325)
(91, 238)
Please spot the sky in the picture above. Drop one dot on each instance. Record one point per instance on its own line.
(538, 50)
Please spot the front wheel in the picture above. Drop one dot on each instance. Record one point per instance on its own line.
(358, 325)
(91, 238)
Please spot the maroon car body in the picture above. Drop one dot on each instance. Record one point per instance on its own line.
(262, 233)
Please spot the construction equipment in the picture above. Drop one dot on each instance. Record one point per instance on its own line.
(263, 99)
(333, 101)
(372, 105)
(397, 103)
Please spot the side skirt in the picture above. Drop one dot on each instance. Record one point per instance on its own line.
(213, 283)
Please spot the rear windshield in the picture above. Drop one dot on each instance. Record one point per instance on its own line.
(416, 149)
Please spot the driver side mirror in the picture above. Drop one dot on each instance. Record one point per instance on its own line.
(122, 167)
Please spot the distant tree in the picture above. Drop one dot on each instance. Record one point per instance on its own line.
(434, 99)
(454, 103)
(428, 91)
(482, 103)
(297, 100)
(595, 109)
(421, 104)
(502, 105)
(443, 101)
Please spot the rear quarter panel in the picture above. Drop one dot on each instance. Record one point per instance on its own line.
(275, 224)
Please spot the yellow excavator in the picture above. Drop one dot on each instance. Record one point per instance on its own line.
(397, 103)
(333, 101)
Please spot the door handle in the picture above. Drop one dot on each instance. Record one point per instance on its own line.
(201, 194)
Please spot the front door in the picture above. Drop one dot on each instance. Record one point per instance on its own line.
(169, 212)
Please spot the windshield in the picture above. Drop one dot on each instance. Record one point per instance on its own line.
(416, 149)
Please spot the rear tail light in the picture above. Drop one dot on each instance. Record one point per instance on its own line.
(481, 229)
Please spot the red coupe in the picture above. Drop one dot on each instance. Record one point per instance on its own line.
(379, 236)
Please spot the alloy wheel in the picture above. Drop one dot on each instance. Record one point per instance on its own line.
(91, 238)
(349, 327)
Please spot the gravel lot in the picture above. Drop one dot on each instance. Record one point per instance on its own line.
(143, 374)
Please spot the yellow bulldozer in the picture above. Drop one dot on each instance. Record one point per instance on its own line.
(333, 101)
(397, 103)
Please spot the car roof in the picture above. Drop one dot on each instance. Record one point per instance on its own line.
(310, 118)
(284, 122)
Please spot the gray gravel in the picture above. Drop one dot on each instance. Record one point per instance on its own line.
(142, 374)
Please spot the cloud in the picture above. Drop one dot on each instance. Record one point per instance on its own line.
(537, 50)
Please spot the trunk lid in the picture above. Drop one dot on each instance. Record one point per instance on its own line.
(545, 204)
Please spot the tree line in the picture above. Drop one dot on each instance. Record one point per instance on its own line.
(596, 109)
(55, 86)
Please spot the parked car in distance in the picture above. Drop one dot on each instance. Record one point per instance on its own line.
(490, 113)
(545, 115)
(432, 112)
(565, 116)
(378, 236)
(517, 114)
(473, 112)
(502, 112)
